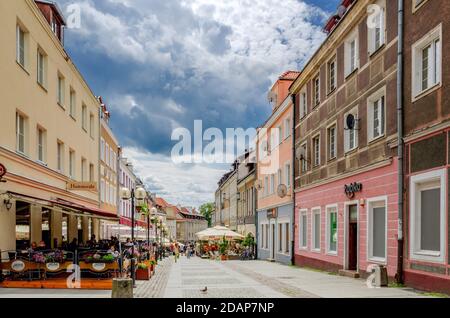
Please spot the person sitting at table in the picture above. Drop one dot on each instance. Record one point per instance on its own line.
(41, 246)
(73, 246)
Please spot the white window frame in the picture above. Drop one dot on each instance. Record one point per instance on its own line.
(415, 252)
(316, 90)
(272, 183)
(41, 67)
(316, 154)
(287, 127)
(303, 103)
(349, 68)
(314, 212)
(84, 114)
(73, 103)
(303, 214)
(371, 204)
(264, 238)
(287, 174)
(21, 132)
(20, 30)
(61, 90)
(328, 210)
(332, 85)
(380, 20)
(347, 133)
(72, 164)
(435, 66)
(266, 185)
(304, 163)
(329, 144)
(91, 125)
(41, 145)
(60, 148)
(280, 176)
(375, 98)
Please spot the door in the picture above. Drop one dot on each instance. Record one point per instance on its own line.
(353, 237)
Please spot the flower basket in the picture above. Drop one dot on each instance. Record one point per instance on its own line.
(142, 272)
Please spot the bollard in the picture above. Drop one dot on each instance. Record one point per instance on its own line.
(122, 288)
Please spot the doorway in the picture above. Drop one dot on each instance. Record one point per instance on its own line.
(352, 238)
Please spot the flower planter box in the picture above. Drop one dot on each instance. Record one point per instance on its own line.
(223, 257)
(142, 274)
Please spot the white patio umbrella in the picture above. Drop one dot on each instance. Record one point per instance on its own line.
(218, 232)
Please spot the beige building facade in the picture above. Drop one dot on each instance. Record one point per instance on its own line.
(49, 137)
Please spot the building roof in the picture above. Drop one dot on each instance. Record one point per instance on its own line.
(162, 203)
(289, 75)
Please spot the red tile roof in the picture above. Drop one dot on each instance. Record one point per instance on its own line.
(289, 75)
(163, 203)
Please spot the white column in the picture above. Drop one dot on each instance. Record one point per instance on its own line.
(36, 223)
(56, 227)
(7, 228)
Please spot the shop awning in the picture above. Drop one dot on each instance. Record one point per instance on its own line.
(127, 222)
(73, 207)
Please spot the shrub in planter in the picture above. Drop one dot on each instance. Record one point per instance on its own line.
(142, 272)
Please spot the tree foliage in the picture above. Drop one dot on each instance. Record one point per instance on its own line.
(207, 210)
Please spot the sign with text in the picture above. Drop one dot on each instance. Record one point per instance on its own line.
(82, 186)
(352, 189)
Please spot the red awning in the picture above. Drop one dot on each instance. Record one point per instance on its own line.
(127, 222)
(74, 206)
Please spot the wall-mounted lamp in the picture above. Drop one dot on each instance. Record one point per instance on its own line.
(8, 203)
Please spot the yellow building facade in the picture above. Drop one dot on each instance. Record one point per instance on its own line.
(49, 136)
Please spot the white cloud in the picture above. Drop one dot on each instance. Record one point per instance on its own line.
(189, 185)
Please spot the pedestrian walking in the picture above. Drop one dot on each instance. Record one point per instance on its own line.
(176, 252)
(188, 252)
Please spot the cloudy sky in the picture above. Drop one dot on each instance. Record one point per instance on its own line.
(161, 64)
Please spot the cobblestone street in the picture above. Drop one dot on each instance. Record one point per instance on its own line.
(232, 279)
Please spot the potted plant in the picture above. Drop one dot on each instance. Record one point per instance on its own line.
(223, 247)
(142, 272)
(152, 265)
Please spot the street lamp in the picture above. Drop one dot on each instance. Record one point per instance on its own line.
(139, 194)
(152, 212)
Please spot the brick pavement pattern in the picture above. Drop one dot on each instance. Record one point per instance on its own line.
(154, 288)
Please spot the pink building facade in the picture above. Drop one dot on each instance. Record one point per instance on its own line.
(349, 235)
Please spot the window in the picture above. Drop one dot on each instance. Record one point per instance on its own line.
(102, 149)
(427, 62)
(316, 91)
(287, 127)
(72, 164)
(351, 135)
(304, 160)
(332, 75)
(83, 169)
(332, 235)
(332, 147)
(266, 185)
(73, 103)
(280, 238)
(41, 68)
(20, 133)
(280, 177)
(91, 173)
(417, 4)
(102, 191)
(91, 125)
(287, 171)
(377, 230)
(60, 157)
(316, 150)
(316, 229)
(351, 54)
(272, 184)
(41, 144)
(376, 29)
(84, 117)
(287, 238)
(267, 236)
(280, 135)
(376, 116)
(61, 90)
(427, 226)
(22, 38)
(303, 104)
(303, 229)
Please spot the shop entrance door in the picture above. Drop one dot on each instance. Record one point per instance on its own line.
(353, 237)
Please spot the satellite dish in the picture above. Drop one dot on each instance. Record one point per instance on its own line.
(341, 11)
(282, 190)
(350, 121)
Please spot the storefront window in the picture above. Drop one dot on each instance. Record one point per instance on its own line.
(23, 231)
(377, 230)
(332, 230)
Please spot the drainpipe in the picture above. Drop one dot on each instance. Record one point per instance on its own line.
(400, 148)
(255, 208)
(293, 180)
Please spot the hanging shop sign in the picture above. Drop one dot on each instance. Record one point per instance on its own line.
(2, 171)
(82, 186)
(352, 189)
(272, 213)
